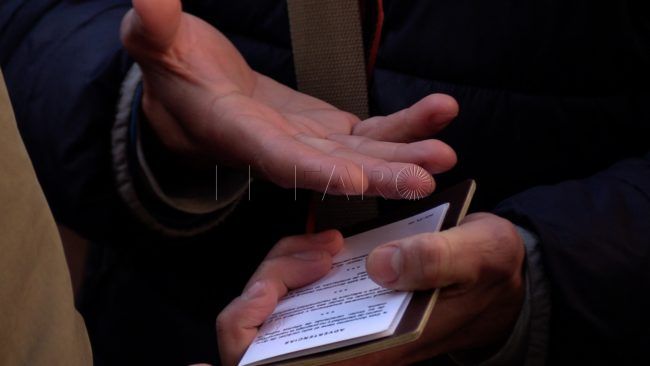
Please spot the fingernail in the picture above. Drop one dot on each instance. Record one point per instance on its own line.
(311, 255)
(389, 260)
(258, 289)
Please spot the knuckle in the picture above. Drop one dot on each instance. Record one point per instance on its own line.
(266, 267)
(476, 217)
(509, 240)
(222, 323)
(503, 228)
(282, 246)
(428, 256)
(506, 254)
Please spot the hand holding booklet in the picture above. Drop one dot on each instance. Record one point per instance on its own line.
(345, 314)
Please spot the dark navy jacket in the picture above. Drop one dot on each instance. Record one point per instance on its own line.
(554, 125)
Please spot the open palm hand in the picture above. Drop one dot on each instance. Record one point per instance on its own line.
(205, 102)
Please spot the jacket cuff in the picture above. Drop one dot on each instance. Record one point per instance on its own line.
(169, 198)
(529, 338)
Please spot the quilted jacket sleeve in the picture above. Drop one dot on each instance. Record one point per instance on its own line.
(594, 239)
(66, 72)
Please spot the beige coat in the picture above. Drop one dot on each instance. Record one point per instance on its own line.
(38, 322)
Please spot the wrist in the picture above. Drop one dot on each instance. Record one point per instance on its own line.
(175, 202)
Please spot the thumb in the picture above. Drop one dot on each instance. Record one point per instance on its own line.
(424, 261)
(151, 25)
(238, 323)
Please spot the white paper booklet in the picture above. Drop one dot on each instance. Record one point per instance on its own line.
(343, 308)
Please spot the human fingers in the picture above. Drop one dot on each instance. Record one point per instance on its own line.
(299, 260)
(476, 250)
(295, 262)
(433, 155)
(420, 121)
(151, 25)
(389, 179)
(329, 241)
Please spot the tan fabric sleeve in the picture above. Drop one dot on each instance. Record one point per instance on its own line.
(38, 322)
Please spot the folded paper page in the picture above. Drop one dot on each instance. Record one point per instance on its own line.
(343, 308)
